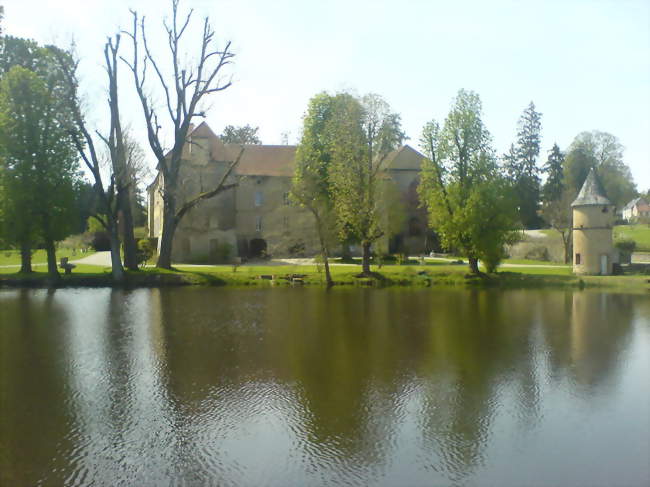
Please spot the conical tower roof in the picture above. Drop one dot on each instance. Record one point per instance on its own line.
(591, 193)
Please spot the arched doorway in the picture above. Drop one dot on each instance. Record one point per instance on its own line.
(257, 248)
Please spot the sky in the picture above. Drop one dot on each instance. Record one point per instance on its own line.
(584, 63)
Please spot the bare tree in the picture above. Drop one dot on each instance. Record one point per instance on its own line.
(118, 153)
(84, 141)
(183, 92)
(559, 215)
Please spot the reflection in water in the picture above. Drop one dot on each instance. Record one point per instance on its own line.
(304, 387)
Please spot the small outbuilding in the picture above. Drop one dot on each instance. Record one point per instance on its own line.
(593, 222)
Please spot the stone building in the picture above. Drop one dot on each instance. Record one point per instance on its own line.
(636, 209)
(256, 217)
(593, 222)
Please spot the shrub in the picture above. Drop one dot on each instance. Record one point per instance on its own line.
(100, 241)
(537, 252)
(627, 245)
(145, 251)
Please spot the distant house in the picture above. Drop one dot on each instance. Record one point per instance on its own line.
(257, 217)
(635, 209)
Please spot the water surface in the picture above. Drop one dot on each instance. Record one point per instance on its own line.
(283, 387)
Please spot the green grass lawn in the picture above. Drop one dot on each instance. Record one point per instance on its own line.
(12, 257)
(639, 233)
(429, 274)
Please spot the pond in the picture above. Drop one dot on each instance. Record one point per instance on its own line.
(277, 387)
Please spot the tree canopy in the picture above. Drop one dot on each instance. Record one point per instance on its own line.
(364, 132)
(246, 134)
(603, 152)
(39, 164)
(470, 203)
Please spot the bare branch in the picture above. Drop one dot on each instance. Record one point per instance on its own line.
(219, 188)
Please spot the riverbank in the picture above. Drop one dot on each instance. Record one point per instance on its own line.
(428, 274)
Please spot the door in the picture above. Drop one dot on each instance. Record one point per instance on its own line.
(603, 265)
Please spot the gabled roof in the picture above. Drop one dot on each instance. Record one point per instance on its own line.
(636, 202)
(405, 158)
(279, 160)
(591, 193)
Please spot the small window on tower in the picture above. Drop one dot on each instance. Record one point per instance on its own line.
(577, 259)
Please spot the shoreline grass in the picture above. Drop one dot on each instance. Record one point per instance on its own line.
(427, 275)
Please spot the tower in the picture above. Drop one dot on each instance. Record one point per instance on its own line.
(593, 220)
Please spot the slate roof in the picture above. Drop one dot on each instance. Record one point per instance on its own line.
(591, 194)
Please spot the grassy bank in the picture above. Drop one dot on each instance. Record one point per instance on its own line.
(12, 257)
(640, 234)
(429, 274)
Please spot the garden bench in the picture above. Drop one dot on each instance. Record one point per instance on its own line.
(66, 266)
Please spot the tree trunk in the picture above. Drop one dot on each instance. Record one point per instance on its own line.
(25, 258)
(473, 265)
(365, 259)
(52, 270)
(167, 238)
(130, 250)
(117, 270)
(323, 248)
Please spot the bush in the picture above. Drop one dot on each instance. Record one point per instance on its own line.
(145, 251)
(100, 241)
(297, 249)
(492, 258)
(538, 252)
(627, 245)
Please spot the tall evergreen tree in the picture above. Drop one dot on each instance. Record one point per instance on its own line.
(521, 166)
(554, 169)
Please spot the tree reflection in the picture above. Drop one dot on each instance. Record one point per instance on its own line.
(229, 384)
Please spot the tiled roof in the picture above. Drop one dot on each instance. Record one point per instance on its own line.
(264, 160)
(278, 160)
(591, 193)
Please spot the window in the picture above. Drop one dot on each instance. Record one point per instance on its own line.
(258, 223)
(258, 198)
(577, 259)
(287, 201)
(285, 222)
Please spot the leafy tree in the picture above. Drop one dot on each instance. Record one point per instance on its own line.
(365, 131)
(521, 166)
(39, 163)
(246, 134)
(470, 204)
(554, 169)
(311, 185)
(603, 152)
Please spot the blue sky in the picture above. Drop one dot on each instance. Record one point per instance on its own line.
(585, 64)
